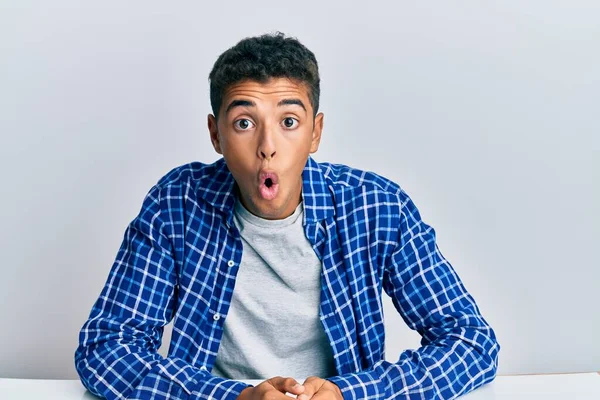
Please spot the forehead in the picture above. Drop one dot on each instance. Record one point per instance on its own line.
(273, 89)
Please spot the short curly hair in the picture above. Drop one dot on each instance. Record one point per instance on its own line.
(261, 58)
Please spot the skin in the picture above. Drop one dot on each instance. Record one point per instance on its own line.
(272, 389)
(275, 388)
(272, 126)
(266, 134)
(316, 388)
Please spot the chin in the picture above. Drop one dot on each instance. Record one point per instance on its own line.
(271, 210)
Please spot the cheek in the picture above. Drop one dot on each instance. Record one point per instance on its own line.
(239, 163)
(297, 141)
(235, 149)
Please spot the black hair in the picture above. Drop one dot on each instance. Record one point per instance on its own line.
(261, 58)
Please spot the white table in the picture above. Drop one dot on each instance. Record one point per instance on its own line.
(547, 387)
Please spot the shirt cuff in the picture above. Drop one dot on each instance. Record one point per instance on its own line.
(219, 388)
(361, 385)
(199, 383)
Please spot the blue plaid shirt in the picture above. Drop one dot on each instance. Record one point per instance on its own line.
(179, 259)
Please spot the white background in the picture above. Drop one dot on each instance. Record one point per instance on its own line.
(486, 113)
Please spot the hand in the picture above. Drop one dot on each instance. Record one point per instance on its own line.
(272, 389)
(320, 389)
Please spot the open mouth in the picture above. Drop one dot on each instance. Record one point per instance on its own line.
(269, 186)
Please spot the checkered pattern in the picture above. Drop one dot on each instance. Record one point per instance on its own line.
(179, 259)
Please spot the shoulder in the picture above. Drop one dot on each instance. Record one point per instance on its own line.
(340, 177)
(193, 173)
(188, 182)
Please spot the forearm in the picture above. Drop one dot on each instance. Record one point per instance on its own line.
(115, 360)
(459, 349)
(461, 361)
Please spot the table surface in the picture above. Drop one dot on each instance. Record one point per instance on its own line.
(584, 386)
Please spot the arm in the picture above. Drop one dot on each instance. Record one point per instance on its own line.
(117, 354)
(459, 349)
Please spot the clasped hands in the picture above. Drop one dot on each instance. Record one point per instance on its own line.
(275, 388)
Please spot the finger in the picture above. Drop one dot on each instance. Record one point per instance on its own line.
(325, 395)
(309, 391)
(328, 391)
(311, 386)
(284, 385)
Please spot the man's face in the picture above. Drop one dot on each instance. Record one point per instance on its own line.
(265, 133)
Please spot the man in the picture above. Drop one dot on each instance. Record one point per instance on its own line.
(273, 265)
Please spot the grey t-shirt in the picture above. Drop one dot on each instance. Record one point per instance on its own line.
(273, 326)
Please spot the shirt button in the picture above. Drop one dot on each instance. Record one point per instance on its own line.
(230, 263)
(203, 368)
(216, 317)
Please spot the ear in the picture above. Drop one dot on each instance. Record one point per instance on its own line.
(316, 134)
(213, 129)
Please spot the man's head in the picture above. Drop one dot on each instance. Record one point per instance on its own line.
(265, 94)
(260, 59)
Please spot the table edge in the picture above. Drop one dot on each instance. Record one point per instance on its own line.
(552, 373)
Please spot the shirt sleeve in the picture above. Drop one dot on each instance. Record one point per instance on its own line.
(117, 355)
(459, 350)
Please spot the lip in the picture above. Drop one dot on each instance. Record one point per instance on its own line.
(268, 193)
(265, 174)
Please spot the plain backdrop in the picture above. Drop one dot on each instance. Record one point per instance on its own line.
(486, 113)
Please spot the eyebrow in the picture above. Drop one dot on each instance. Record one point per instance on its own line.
(248, 103)
(289, 102)
(239, 103)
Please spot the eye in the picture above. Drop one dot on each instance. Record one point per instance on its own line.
(243, 124)
(290, 123)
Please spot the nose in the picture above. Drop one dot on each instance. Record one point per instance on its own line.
(266, 146)
(267, 156)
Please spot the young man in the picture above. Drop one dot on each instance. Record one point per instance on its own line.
(273, 265)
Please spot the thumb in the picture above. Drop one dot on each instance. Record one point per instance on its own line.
(311, 386)
(289, 385)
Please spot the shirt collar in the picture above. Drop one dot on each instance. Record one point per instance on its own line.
(219, 190)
